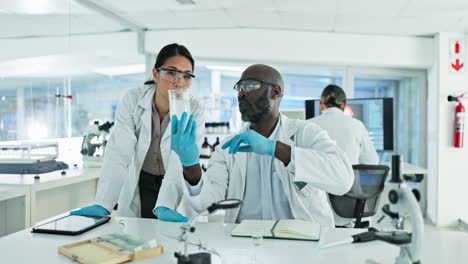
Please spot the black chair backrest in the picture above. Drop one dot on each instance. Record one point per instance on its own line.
(362, 199)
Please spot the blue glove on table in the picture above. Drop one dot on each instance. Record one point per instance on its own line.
(254, 143)
(166, 214)
(183, 139)
(92, 210)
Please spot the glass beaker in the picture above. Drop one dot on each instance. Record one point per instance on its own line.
(179, 102)
(257, 240)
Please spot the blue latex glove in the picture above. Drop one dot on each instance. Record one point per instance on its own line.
(183, 139)
(166, 214)
(92, 210)
(254, 143)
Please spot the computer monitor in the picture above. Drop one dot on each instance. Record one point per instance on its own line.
(375, 113)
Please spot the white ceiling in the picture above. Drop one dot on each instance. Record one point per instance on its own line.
(48, 18)
(383, 17)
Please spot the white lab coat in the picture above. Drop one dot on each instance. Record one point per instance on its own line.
(350, 135)
(320, 167)
(127, 148)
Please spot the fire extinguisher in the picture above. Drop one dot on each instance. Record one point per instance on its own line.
(459, 121)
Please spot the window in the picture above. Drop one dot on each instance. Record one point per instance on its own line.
(406, 88)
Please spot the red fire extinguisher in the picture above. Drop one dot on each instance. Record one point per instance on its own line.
(459, 121)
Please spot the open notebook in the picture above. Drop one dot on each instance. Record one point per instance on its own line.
(287, 229)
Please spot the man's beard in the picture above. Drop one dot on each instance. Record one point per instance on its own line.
(262, 105)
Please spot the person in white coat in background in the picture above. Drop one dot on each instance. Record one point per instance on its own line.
(349, 133)
(280, 168)
(138, 154)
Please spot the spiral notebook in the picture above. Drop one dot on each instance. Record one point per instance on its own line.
(283, 229)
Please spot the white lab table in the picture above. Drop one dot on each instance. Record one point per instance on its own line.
(439, 247)
(51, 194)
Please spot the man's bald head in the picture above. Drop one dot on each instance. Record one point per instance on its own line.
(264, 73)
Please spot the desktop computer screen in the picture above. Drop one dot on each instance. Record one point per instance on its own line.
(375, 113)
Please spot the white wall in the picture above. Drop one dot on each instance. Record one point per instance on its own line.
(448, 173)
(299, 47)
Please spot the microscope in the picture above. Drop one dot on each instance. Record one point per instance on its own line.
(94, 141)
(404, 203)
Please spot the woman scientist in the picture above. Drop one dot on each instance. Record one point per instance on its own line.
(349, 133)
(139, 149)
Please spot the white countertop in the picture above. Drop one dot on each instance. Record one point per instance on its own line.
(8, 191)
(440, 246)
(47, 178)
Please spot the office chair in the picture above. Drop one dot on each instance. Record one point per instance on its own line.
(362, 200)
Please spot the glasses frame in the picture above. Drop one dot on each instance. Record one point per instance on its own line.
(177, 71)
(260, 81)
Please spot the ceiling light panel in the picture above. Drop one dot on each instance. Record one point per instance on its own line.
(185, 2)
(42, 7)
(160, 5)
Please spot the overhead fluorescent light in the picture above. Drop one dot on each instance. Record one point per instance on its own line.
(226, 68)
(38, 7)
(121, 70)
(186, 2)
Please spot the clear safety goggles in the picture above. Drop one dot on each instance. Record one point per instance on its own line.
(174, 75)
(250, 85)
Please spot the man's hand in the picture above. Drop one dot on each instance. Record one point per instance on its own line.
(166, 214)
(183, 139)
(254, 142)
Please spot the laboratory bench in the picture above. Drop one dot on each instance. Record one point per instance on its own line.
(14, 208)
(25, 200)
(440, 246)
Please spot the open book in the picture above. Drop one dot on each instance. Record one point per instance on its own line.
(287, 229)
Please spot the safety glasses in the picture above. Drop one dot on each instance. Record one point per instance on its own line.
(250, 85)
(174, 75)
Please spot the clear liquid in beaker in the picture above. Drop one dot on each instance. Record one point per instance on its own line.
(179, 102)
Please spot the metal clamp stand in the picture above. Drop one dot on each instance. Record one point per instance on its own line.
(197, 258)
(404, 203)
(201, 257)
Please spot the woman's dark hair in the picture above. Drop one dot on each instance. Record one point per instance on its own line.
(333, 96)
(171, 50)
